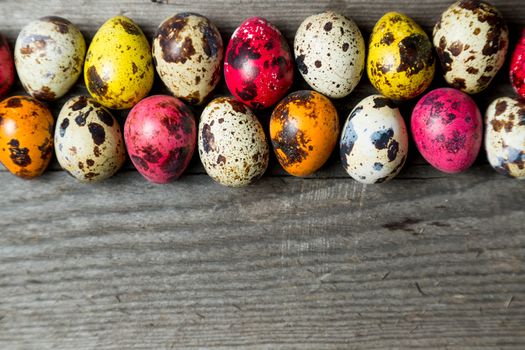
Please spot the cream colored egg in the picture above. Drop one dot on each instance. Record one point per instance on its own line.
(88, 140)
(374, 141)
(330, 53)
(49, 54)
(188, 53)
(471, 40)
(232, 144)
(505, 136)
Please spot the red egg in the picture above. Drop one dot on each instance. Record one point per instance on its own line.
(160, 135)
(447, 129)
(7, 66)
(517, 66)
(258, 67)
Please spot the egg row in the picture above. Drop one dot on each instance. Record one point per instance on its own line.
(160, 135)
(470, 38)
(329, 53)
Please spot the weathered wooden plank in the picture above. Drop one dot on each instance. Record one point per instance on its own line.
(427, 261)
(306, 263)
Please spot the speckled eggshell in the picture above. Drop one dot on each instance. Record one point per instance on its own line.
(517, 66)
(400, 63)
(374, 141)
(7, 66)
(88, 140)
(304, 128)
(188, 53)
(505, 136)
(118, 70)
(160, 134)
(447, 129)
(232, 144)
(258, 66)
(330, 53)
(471, 40)
(49, 53)
(26, 136)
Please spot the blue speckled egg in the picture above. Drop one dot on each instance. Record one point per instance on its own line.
(505, 136)
(374, 141)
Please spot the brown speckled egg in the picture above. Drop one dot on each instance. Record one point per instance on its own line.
(49, 54)
(232, 144)
(188, 52)
(471, 40)
(330, 53)
(88, 140)
(26, 136)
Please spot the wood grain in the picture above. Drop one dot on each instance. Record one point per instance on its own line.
(428, 260)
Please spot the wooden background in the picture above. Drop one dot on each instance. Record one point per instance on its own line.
(428, 260)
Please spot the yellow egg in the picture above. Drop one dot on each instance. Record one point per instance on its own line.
(118, 70)
(400, 61)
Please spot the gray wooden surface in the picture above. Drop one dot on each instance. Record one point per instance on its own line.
(428, 260)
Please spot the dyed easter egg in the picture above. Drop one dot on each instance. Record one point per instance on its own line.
(304, 128)
(374, 141)
(49, 53)
(400, 61)
(26, 136)
(447, 129)
(505, 136)
(517, 66)
(258, 66)
(88, 140)
(118, 70)
(188, 52)
(160, 134)
(471, 40)
(7, 66)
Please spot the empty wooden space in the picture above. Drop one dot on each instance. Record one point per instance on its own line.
(428, 260)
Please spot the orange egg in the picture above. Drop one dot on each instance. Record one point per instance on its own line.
(304, 128)
(26, 136)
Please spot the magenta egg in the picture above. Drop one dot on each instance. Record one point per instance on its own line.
(160, 135)
(447, 129)
(517, 66)
(258, 67)
(7, 66)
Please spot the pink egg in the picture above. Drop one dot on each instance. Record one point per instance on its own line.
(517, 66)
(7, 66)
(446, 125)
(258, 67)
(160, 137)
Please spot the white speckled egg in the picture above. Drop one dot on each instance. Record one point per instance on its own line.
(505, 136)
(232, 144)
(471, 40)
(374, 141)
(49, 54)
(88, 140)
(188, 52)
(330, 53)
